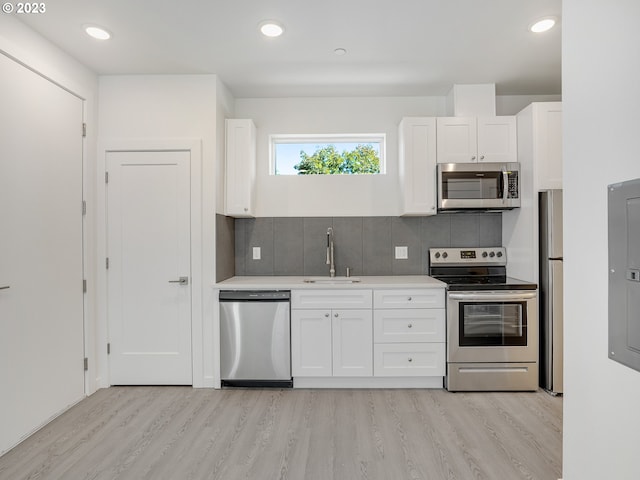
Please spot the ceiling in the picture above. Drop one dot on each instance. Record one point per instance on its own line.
(394, 47)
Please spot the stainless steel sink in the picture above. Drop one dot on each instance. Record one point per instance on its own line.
(331, 280)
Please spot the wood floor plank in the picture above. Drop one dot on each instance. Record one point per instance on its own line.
(192, 434)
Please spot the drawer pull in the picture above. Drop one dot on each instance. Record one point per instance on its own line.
(326, 315)
(335, 315)
(410, 359)
(410, 325)
(409, 299)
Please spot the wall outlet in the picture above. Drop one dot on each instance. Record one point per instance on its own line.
(256, 253)
(402, 253)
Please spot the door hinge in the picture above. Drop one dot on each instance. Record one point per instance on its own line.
(86, 364)
(108, 349)
(106, 177)
(84, 207)
(84, 130)
(107, 263)
(84, 286)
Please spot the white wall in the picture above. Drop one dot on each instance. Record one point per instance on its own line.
(601, 99)
(347, 195)
(158, 109)
(330, 196)
(512, 104)
(29, 48)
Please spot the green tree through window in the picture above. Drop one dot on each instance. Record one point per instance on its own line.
(327, 160)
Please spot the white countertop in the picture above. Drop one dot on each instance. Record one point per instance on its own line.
(294, 282)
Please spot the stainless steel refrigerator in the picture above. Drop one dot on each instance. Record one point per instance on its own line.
(551, 323)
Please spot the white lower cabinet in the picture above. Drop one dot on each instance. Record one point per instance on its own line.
(311, 343)
(352, 342)
(409, 359)
(352, 333)
(409, 341)
(409, 325)
(331, 342)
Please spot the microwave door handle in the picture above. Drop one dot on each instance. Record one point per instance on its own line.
(505, 183)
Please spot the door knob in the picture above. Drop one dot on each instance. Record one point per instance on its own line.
(181, 281)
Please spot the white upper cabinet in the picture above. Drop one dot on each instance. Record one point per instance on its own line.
(547, 146)
(457, 140)
(481, 139)
(417, 172)
(497, 139)
(240, 168)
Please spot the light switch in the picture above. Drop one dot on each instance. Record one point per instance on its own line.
(256, 253)
(402, 253)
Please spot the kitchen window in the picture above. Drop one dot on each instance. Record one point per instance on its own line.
(358, 154)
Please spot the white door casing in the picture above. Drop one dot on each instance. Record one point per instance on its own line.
(149, 249)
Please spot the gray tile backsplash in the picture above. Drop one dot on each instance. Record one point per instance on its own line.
(288, 244)
(376, 245)
(297, 246)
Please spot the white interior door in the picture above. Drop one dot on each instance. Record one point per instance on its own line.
(148, 243)
(41, 311)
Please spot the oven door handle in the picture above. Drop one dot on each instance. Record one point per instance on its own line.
(492, 296)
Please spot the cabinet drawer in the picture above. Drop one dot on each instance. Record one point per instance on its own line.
(409, 298)
(408, 359)
(331, 298)
(409, 325)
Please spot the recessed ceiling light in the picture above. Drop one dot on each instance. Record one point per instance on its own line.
(97, 32)
(340, 51)
(542, 25)
(271, 28)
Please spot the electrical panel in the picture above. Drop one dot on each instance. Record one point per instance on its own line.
(624, 273)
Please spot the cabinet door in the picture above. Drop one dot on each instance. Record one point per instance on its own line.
(457, 140)
(497, 139)
(352, 343)
(417, 162)
(548, 144)
(240, 168)
(311, 343)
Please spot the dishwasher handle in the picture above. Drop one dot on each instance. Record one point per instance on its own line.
(255, 295)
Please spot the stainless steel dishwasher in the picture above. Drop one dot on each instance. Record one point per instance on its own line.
(255, 338)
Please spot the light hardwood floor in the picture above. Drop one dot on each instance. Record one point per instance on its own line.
(181, 433)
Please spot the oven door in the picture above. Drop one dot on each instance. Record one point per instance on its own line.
(492, 326)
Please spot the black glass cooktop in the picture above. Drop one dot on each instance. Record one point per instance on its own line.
(490, 283)
(479, 278)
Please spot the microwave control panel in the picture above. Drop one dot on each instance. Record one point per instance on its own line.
(512, 191)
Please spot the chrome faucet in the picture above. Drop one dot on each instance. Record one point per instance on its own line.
(330, 261)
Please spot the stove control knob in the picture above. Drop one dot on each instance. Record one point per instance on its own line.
(484, 254)
(492, 255)
(437, 255)
(499, 254)
(445, 255)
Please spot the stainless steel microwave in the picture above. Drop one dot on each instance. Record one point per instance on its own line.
(478, 186)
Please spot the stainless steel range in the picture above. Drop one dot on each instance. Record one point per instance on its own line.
(492, 321)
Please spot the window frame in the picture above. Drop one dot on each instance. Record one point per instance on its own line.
(327, 139)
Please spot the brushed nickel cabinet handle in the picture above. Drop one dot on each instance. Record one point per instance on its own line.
(5, 287)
